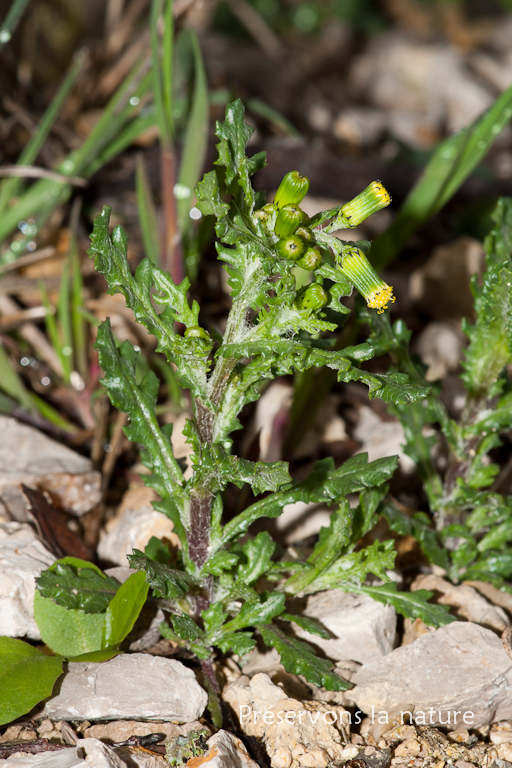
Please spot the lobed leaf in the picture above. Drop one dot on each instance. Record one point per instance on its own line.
(299, 658)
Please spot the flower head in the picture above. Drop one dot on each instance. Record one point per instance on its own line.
(360, 272)
(370, 200)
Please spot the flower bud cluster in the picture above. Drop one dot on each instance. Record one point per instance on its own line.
(286, 226)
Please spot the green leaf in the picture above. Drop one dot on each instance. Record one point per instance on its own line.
(209, 200)
(490, 338)
(68, 632)
(148, 287)
(299, 658)
(186, 628)
(79, 585)
(347, 572)
(324, 484)
(124, 609)
(419, 526)
(236, 642)
(164, 581)
(27, 676)
(138, 400)
(217, 469)
(258, 553)
(308, 625)
(255, 613)
(414, 605)
(234, 135)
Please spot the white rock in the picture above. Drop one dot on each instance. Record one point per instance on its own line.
(132, 529)
(433, 88)
(98, 755)
(86, 754)
(296, 734)
(128, 687)
(27, 456)
(470, 604)
(461, 667)
(226, 751)
(440, 348)
(22, 558)
(66, 758)
(381, 438)
(362, 627)
(300, 520)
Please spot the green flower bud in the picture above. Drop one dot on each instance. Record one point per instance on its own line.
(310, 259)
(372, 199)
(291, 247)
(306, 234)
(288, 219)
(292, 189)
(196, 332)
(313, 297)
(359, 271)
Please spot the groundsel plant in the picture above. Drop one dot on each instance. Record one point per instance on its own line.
(224, 588)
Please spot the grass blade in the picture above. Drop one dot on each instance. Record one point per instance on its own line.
(11, 20)
(452, 162)
(196, 138)
(147, 213)
(10, 187)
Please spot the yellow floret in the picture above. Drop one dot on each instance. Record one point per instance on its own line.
(380, 298)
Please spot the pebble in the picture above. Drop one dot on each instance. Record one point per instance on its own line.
(129, 686)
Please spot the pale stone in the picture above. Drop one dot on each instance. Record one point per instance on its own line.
(224, 751)
(380, 439)
(300, 520)
(296, 734)
(28, 456)
(362, 627)
(434, 92)
(469, 603)
(461, 667)
(88, 753)
(130, 686)
(22, 558)
(133, 529)
(440, 347)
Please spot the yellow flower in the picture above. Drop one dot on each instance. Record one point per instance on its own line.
(370, 200)
(360, 272)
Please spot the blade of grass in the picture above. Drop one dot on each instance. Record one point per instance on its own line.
(11, 20)
(77, 316)
(44, 196)
(147, 213)
(12, 384)
(162, 68)
(452, 162)
(196, 138)
(64, 322)
(10, 187)
(52, 327)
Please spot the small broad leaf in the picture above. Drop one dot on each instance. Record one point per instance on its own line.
(124, 609)
(77, 585)
(299, 658)
(68, 632)
(27, 676)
